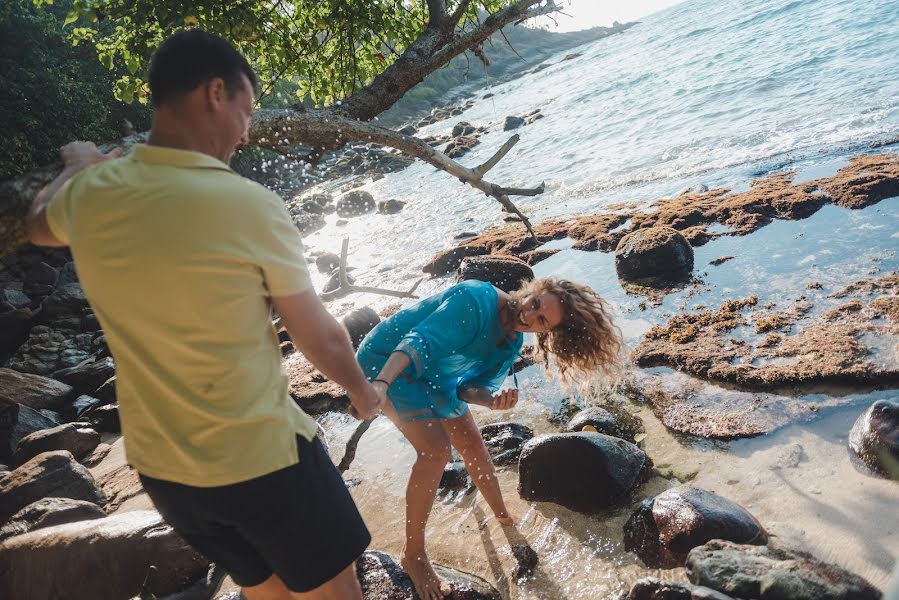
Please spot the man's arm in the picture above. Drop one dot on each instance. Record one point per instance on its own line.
(326, 344)
(76, 156)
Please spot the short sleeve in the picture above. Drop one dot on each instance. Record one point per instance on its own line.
(279, 252)
(59, 212)
(452, 326)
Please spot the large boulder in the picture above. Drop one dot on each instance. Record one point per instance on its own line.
(88, 377)
(448, 261)
(652, 588)
(18, 421)
(310, 389)
(508, 273)
(359, 322)
(505, 441)
(772, 572)
(584, 471)
(51, 348)
(77, 438)
(326, 262)
(48, 475)
(49, 512)
(15, 322)
(665, 528)
(654, 254)
(382, 578)
(355, 203)
(610, 421)
(103, 559)
(874, 439)
(33, 390)
(105, 418)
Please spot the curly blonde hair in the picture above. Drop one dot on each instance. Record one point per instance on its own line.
(586, 341)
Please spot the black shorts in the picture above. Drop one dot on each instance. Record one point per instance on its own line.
(299, 523)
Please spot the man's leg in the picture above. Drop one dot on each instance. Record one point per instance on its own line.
(270, 589)
(465, 437)
(345, 585)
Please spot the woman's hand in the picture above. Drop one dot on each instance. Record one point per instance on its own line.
(504, 400)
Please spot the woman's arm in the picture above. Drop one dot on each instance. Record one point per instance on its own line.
(480, 395)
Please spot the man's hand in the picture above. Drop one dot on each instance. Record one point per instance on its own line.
(504, 400)
(366, 403)
(80, 155)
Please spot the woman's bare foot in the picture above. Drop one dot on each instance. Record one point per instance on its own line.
(428, 585)
(504, 517)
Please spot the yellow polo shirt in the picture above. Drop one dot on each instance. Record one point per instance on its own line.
(179, 256)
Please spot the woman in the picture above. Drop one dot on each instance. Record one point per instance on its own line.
(455, 348)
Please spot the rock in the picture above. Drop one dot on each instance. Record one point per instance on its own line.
(14, 326)
(312, 208)
(461, 145)
(619, 424)
(49, 512)
(18, 421)
(310, 389)
(449, 260)
(526, 558)
(359, 322)
(652, 588)
(512, 122)
(455, 477)
(51, 474)
(333, 282)
(33, 390)
(320, 198)
(327, 262)
(720, 260)
(665, 528)
(341, 222)
(874, 438)
(382, 578)
(463, 128)
(116, 551)
(77, 438)
(119, 485)
(773, 571)
(583, 471)
(505, 440)
(654, 254)
(79, 406)
(534, 256)
(408, 130)
(308, 222)
(67, 298)
(505, 272)
(390, 207)
(105, 419)
(89, 377)
(355, 203)
(49, 349)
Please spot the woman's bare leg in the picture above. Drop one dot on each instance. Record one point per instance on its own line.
(465, 437)
(433, 452)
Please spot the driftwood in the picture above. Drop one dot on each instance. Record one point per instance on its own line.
(350, 453)
(347, 288)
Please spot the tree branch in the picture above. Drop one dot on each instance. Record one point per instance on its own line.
(459, 12)
(350, 452)
(436, 13)
(345, 287)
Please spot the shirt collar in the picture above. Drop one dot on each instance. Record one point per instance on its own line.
(160, 155)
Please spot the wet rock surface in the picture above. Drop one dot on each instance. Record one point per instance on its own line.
(584, 471)
(505, 440)
(655, 254)
(611, 421)
(51, 474)
(382, 578)
(505, 272)
(310, 389)
(874, 438)
(763, 572)
(390, 207)
(117, 551)
(355, 203)
(49, 512)
(33, 391)
(77, 438)
(455, 477)
(653, 588)
(665, 528)
(449, 260)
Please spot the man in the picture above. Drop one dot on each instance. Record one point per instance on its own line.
(182, 261)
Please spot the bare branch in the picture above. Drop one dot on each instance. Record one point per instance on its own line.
(524, 191)
(345, 287)
(498, 156)
(350, 453)
(459, 12)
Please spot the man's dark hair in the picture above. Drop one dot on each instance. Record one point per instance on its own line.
(189, 58)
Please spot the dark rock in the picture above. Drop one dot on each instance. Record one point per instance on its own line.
(720, 260)
(79, 406)
(408, 130)
(327, 262)
(461, 145)
(874, 439)
(67, 298)
(583, 471)
(455, 477)
(512, 122)
(463, 235)
(772, 572)
(449, 260)
(652, 588)
(118, 552)
(614, 422)
(382, 578)
(320, 198)
(49, 512)
(359, 322)
(312, 207)
(51, 474)
(505, 440)
(341, 222)
(79, 439)
(526, 558)
(665, 528)
(334, 282)
(390, 207)
(18, 421)
(105, 419)
(505, 272)
(463, 128)
(307, 222)
(355, 203)
(48, 349)
(87, 378)
(42, 274)
(33, 390)
(654, 253)
(14, 326)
